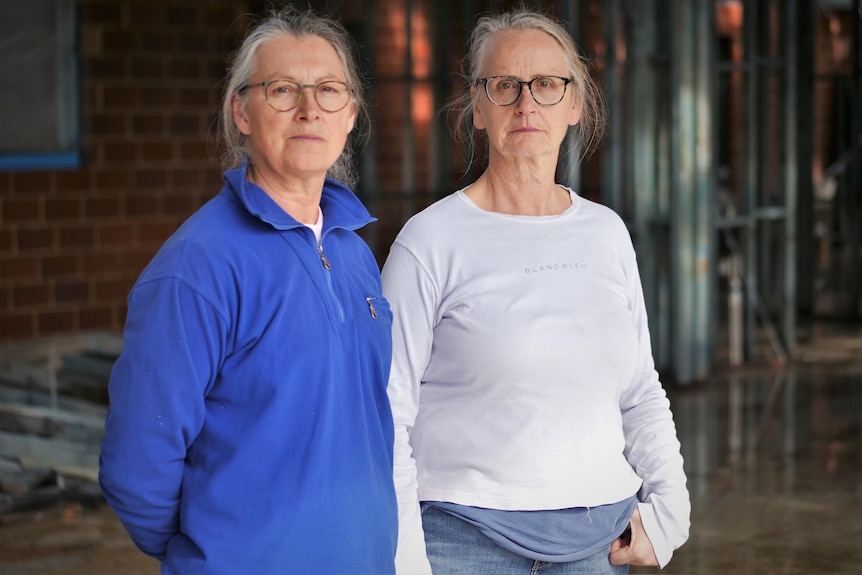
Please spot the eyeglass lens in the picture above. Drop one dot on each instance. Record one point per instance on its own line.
(284, 95)
(546, 90)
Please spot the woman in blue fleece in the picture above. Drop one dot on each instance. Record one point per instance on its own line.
(249, 430)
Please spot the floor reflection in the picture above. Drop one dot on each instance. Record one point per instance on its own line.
(774, 461)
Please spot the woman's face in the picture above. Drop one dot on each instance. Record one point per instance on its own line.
(305, 141)
(524, 129)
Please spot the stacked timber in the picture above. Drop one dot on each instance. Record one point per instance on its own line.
(53, 400)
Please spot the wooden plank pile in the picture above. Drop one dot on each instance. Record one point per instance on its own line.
(53, 400)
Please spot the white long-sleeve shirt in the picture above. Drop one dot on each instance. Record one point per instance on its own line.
(522, 375)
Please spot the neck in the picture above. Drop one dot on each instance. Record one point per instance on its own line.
(299, 197)
(519, 192)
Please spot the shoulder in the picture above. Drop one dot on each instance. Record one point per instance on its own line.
(435, 220)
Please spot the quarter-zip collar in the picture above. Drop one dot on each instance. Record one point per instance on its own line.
(341, 207)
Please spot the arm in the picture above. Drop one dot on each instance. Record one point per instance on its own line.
(412, 296)
(653, 450)
(157, 390)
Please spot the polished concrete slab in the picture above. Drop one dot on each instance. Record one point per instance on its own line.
(773, 454)
(774, 460)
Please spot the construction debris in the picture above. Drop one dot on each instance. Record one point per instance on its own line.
(53, 401)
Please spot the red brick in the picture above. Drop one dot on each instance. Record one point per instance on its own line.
(121, 311)
(179, 205)
(114, 235)
(76, 237)
(124, 152)
(35, 239)
(104, 68)
(31, 295)
(193, 43)
(22, 268)
(96, 318)
(187, 178)
(148, 69)
(55, 322)
(156, 232)
(159, 151)
(5, 240)
(17, 325)
(72, 181)
(115, 40)
(102, 208)
(31, 181)
(108, 124)
(146, 15)
(148, 125)
(107, 12)
(118, 96)
(216, 70)
(71, 292)
(148, 179)
(220, 18)
(156, 97)
(117, 289)
(184, 18)
(26, 210)
(135, 261)
(155, 42)
(185, 69)
(59, 209)
(138, 206)
(196, 97)
(113, 180)
(194, 150)
(60, 266)
(185, 124)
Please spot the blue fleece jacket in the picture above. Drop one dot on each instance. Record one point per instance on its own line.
(249, 430)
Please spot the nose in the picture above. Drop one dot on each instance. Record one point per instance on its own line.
(525, 100)
(307, 105)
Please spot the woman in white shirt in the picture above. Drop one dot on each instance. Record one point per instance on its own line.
(532, 431)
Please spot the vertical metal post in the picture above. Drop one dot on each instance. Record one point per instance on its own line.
(612, 155)
(408, 162)
(791, 160)
(750, 166)
(704, 268)
(441, 160)
(855, 175)
(368, 186)
(571, 11)
(802, 38)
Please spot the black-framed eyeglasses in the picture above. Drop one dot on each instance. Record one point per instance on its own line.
(284, 95)
(505, 90)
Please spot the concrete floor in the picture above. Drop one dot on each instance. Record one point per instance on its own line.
(773, 455)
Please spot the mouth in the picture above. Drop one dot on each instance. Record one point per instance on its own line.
(526, 130)
(307, 137)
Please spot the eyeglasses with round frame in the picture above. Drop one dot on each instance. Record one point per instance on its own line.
(506, 90)
(285, 95)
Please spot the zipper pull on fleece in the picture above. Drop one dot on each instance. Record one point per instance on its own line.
(371, 308)
(323, 257)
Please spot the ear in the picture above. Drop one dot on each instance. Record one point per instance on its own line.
(575, 112)
(239, 115)
(351, 119)
(478, 118)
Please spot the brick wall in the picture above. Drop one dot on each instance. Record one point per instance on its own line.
(72, 242)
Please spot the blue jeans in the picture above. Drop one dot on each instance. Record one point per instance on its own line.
(457, 548)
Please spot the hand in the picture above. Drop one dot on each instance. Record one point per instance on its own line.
(633, 547)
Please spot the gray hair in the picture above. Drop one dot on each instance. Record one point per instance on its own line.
(290, 21)
(591, 125)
